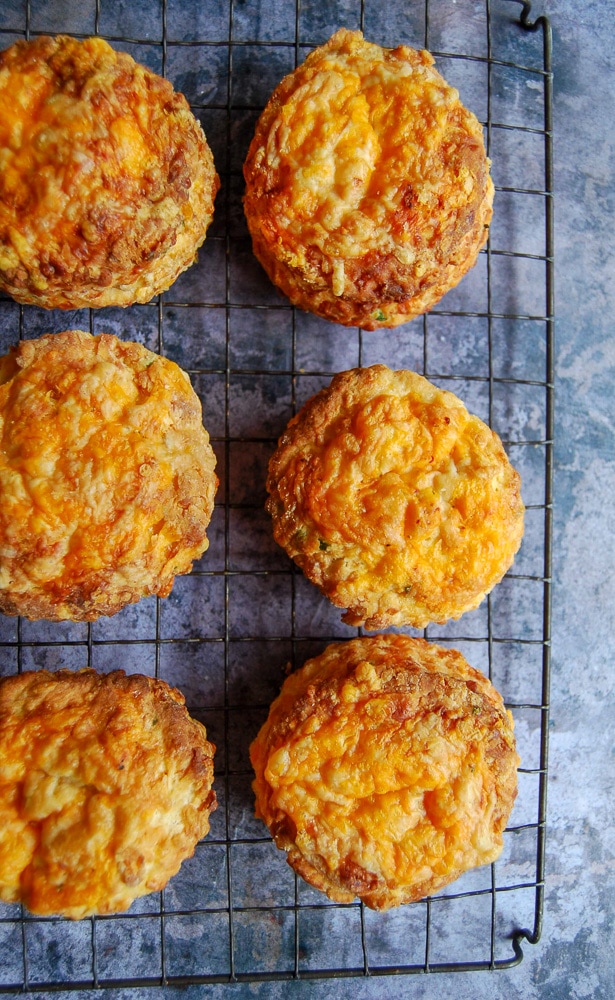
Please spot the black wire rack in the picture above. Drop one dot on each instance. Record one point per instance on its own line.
(236, 912)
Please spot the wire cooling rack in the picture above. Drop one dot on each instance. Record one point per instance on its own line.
(236, 912)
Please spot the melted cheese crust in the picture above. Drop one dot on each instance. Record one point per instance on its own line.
(107, 478)
(394, 500)
(105, 788)
(368, 193)
(386, 768)
(106, 180)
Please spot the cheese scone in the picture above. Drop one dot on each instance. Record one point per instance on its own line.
(107, 478)
(107, 183)
(399, 504)
(105, 788)
(386, 768)
(368, 193)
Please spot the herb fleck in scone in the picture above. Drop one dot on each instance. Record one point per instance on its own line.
(107, 183)
(105, 788)
(386, 768)
(107, 478)
(368, 193)
(399, 504)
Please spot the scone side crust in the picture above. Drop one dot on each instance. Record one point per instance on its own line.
(387, 767)
(368, 193)
(105, 788)
(108, 182)
(107, 476)
(395, 500)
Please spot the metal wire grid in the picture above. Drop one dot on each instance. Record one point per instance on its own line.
(215, 923)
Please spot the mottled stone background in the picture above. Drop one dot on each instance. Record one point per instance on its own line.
(576, 956)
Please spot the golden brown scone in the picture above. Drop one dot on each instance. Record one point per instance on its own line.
(107, 478)
(386, 768)
(368, 193)
(107, 183)
(394, 500)
(105, 788)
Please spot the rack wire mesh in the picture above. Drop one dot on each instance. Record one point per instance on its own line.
(236, 912)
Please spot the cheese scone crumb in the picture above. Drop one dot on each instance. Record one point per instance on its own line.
(368, 192)
(386, 768)
(107, 478)
(105, 788)
(107, 182)
(399, 504)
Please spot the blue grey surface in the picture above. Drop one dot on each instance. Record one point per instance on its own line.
(576, 956)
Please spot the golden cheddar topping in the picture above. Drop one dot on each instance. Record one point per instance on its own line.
(106, 179)
(107, 476)
(105, 788)
(386, 768)
(368, 193)
(398, 503)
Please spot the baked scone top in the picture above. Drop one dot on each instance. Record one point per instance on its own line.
(105, 788)
(107, 478)
(368, 183)
(396, 501)
(106, 180)
(386, 768)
